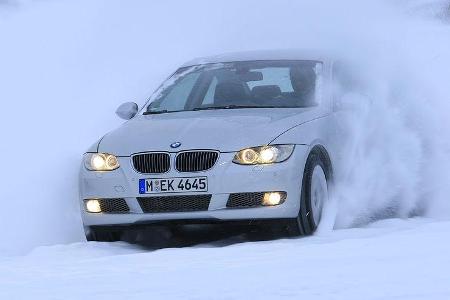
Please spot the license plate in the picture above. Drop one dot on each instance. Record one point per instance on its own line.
(173, 185)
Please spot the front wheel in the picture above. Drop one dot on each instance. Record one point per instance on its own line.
(314, 195)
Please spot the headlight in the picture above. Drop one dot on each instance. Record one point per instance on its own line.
(264, 154)
(101, 162)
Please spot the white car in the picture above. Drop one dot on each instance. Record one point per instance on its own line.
(246, 137)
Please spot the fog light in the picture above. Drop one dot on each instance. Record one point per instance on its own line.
(274, 198)
(93, 206)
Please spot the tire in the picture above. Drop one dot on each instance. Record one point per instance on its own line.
(103, 235)
(314, 194)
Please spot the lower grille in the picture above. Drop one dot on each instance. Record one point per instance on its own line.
(114, 206)
(184, 203)
(245, 200)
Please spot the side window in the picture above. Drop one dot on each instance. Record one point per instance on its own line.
(176, 98)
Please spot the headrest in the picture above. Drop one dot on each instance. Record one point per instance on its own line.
(303, 79)
(303, 73)
(266, 91)
(230, 92)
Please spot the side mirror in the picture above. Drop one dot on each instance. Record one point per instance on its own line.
(127, 110)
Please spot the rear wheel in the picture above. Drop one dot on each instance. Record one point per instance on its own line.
(314, 195)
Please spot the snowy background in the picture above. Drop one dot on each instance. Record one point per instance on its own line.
(66, 65)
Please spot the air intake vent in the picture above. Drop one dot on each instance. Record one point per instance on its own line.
(151, 163)
(195, 161)
(245, 200)
(183, 203)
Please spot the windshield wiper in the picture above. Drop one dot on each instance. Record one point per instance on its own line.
(155, 112)
(231, 107)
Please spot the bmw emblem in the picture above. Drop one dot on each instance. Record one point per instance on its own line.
(175, 145)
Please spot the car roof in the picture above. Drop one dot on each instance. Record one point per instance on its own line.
(292, 54)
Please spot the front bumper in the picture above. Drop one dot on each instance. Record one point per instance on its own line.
(224, 178)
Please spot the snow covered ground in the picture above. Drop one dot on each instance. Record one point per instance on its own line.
(391, 259)
(66, 65)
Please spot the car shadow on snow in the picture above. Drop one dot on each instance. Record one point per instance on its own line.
(214, 235)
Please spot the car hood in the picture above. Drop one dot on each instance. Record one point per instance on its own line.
(224, 130)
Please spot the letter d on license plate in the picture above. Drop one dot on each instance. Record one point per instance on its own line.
(173, 185)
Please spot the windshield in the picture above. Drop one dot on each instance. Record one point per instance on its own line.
(254, 84)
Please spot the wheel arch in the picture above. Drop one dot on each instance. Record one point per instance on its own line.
(321, 151)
